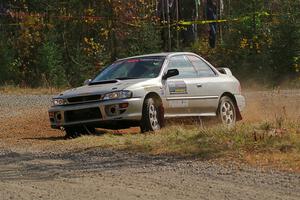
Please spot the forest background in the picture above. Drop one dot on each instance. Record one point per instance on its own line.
(61, 43)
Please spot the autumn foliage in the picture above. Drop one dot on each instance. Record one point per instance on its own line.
(62, 43)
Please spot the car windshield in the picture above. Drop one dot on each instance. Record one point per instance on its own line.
(135, 68)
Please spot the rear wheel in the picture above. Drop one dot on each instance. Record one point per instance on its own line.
(227, 111)
(152, 116)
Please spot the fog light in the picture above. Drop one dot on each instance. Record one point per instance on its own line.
(116, 109)
(51, 114)
(58, 116)
(112, 110)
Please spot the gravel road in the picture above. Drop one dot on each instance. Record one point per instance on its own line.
(14, 105)
(29, 170)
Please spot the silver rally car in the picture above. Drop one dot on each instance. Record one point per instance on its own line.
(144, 90)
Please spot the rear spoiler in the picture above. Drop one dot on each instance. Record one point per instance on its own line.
(226, 71)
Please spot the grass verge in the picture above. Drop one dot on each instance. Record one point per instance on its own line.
(9, 89)
(265, 144)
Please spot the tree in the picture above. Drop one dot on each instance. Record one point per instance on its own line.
(50, 62)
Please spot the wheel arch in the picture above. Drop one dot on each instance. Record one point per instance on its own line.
(155, 96)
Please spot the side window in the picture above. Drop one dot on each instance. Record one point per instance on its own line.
(185, 68)
(203, 70)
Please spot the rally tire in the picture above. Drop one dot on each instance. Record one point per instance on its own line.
(72, 132)
(89, 130)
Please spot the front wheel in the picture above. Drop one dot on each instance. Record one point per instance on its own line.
(227, 111)
(152, 119)
(72, 132)
(76, 131)
(89, 130)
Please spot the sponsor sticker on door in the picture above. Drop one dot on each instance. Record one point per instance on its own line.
(177, 87)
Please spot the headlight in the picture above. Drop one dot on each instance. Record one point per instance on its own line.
(58, 102)
(118, 95)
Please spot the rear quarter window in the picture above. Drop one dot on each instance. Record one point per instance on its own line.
(202, 68)
(184, 66)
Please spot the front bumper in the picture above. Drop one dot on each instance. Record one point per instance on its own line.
(61, 116)
(241, 102)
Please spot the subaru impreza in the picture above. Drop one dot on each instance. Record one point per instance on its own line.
(145, 90)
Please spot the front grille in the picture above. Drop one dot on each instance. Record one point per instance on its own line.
(82, 99)
(82, 115)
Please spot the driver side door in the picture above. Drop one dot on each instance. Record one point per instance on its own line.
(179, 89)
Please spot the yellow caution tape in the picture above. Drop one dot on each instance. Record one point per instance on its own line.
(201, 22)
(188, 23)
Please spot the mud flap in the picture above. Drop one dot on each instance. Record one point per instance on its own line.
(161, 115)
(239, 116)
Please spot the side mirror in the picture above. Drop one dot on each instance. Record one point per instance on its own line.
(87, 82)
(170, 73)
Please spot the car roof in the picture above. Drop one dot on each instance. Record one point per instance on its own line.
(164, 54)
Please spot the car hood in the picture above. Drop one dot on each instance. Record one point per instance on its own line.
(100, 88)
